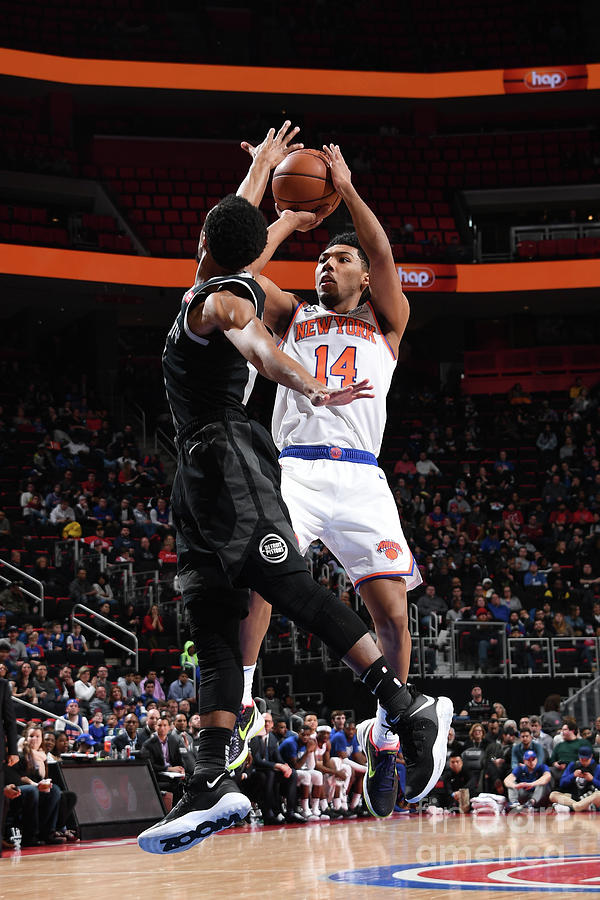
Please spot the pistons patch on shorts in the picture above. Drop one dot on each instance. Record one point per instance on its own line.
(273, 548)
(390, 549)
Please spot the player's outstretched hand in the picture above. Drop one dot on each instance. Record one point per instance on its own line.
(303, 220)
(362, 390)
(275, 147)
(340, 172)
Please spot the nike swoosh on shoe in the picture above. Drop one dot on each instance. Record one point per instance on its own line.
(423, 706)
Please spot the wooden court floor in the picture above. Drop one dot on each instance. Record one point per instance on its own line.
(534, 856)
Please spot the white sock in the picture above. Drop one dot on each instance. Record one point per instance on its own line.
(323, 803)
(248, 679)
(337, 803)
(314, 808)
(383, 737)
(304, 804)
(356, 798)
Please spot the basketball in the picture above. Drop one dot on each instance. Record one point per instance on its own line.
(303, 182)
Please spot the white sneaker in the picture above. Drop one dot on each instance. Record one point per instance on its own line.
(561, 809)
(435, 811)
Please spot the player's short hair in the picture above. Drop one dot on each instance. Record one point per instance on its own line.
(235, 232)
(350, 238)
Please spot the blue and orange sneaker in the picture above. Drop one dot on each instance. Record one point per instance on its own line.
(380, 786)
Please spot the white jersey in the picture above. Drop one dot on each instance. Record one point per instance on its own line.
(339, 349)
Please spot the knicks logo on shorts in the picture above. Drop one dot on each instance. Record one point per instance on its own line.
(390, 548)
(273, 548)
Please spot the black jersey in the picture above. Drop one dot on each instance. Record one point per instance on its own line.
(204, 376)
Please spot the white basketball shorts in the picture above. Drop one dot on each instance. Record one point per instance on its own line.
(350, 508)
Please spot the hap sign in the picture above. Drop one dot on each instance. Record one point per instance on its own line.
(545, 81)
(416, 276)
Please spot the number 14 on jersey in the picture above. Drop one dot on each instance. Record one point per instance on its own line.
(343, 367)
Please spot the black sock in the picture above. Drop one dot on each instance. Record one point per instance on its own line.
(389, 690)
(212, 748)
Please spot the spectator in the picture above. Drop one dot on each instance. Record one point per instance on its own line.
(298, 752)
(129, 686)
(478, 707)
(34, 799)
(579, 786)
(62, 514)
(473, 756)
(13, 600)
(103, 592)
(528, 784)
(430, 604)
(273, 703)
(152, 675)
(163, 751)
(167, 556)
(182, 688)
(453, 791)
(426, 466)
(526, 743)
(534, 578)
(405, 467)
(72, 718)
(344, 745)
(161, 516)
(567, 749)
(23, 686)
(99, 702)
(80, 589)
(148, 729)
(273, 778)
(16, 654)
(540, 737)
(145, 559)
(45, 687)
(128, 737)
(75, 641)
(85, 686)
(33, 647)
(153, 627)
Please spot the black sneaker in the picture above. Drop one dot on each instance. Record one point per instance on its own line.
(213, 803)
(380, 786)
(247, 725)
(334, 813)
(423, 733)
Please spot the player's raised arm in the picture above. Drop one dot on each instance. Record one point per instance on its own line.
(266, 156)
(386, 290)
(236, 318)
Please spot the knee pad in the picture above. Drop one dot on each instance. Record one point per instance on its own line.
(313, 607)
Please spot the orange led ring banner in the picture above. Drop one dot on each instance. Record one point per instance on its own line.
(263, 80)
(144, 271)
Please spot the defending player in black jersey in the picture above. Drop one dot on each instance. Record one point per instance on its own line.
(233, 529)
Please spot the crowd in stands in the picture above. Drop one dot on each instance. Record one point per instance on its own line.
(305, 766)
(500, 501)
(499, 498)
(497, 764)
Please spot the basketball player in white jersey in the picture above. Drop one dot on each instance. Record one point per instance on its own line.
(331, 482)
